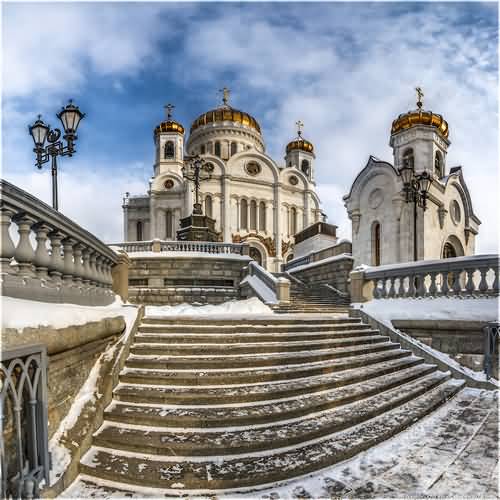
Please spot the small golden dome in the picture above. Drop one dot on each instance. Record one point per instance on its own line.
(300, 143)
(169, 126)
(226, 114)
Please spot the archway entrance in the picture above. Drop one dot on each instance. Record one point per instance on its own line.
(255, 255)
(449, 251)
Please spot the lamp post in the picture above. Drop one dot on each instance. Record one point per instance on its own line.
(416, 188)
(70, 117)
(193, 171)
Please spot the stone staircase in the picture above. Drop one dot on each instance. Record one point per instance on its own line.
(232, 404)
(312, 299)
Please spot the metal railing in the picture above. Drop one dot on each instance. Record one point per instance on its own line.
(183, 246)
(24, 454)
(491, 334)
(461, 276)
(77, 266)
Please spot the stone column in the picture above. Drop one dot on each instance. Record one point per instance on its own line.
(226, 208)
(238, 215)
(7, 248)
(277, 225)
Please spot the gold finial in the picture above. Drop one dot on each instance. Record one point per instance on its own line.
(225, 95)
(168, 110)
(420, 94)
(299, 127)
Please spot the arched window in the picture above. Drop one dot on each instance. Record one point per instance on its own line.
(169, 225)
(376, 256)
(293, 221)
(262, 216)
(139, 230)
(169, 149)
(217, 151)
(203, 149)
(255, 254)
(244, 214)
(438, 165)
(305, 167)
(253, 215)
(449, 251)
(234, 148)
(289, 163)
(408, 158)
(208, 206)
(210, 147)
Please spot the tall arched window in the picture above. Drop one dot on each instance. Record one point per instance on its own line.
(203, 149)
(262, 216)
(438, 165)
(253, 215)
(210, 148)
(169, 149)
(408, 158)
(244, 214)
(234, 148)
(208, 205)
(376, 256)
(305, 167)
(169, 225)
(293, 221)
(217, 151)
(139, 230)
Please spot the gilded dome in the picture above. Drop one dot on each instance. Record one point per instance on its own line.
(226, 114)
(169, 126)
(301, 144)
(419, 117)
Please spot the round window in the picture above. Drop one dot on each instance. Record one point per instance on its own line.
(455, 212)
(252, 168)
(169, 184)
(293, 180)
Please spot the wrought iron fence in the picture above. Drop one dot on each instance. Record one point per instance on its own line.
(24, 451)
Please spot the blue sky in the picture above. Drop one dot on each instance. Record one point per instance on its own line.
(345, 69)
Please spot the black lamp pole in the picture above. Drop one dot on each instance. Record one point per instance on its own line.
(70, 117)
(196, 166)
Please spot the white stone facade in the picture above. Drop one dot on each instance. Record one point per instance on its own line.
(252, 197)
(382, 221)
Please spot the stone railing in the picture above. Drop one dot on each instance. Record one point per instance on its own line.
(267, 287)
(76, 268)
(183, 246)
(461, 276)
(344, 247)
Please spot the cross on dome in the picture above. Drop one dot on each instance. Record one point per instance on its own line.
(299, 124)
(225, 95)
(168, 110)
(420, 94)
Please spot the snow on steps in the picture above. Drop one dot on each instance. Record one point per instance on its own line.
(235, 414)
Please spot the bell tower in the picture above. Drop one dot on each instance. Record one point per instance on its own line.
(300, 154)
(169, 145)
(420, 138)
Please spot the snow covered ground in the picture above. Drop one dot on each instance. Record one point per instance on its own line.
(249, 307)
(441, 308)
(20, 313)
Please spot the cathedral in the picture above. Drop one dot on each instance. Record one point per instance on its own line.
(251, 197)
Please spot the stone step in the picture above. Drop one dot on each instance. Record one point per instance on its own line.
(368, 382)
(269, 320)
(327, 326)
(243, 348)
(250, 392)
(253, 360)
(234, 338)
(248, 439)
(225, 376)
(237, 471)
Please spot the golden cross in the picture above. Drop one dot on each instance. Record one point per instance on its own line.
(168, 109)
(225, 95)
(420, 94)
(299, 127)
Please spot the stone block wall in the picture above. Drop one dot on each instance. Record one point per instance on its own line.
(334, 272)
(170, 280)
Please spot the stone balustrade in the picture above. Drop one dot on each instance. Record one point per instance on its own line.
(183, 246)
(269, 288)
(66, 262)
(457, 277)
(343, 247)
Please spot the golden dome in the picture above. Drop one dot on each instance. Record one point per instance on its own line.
(169, 126)
(419, 117)
(300, 143)
(226, 114)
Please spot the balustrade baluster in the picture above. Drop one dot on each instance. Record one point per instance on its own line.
(93, 268)
(457, 287)
(411, 286)
(24, 253)
(69, 266)
(445, 289)
(376, 291)
(78, 264)
(420, 281)
(384, 288)
(42, 257)
(432, 287)
(7, 247)
(483, 284)
(392, 291)
(56, 267)
(86, 265)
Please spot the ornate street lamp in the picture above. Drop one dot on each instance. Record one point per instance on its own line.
(70, 117)
(197, 170)
(416, 189)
